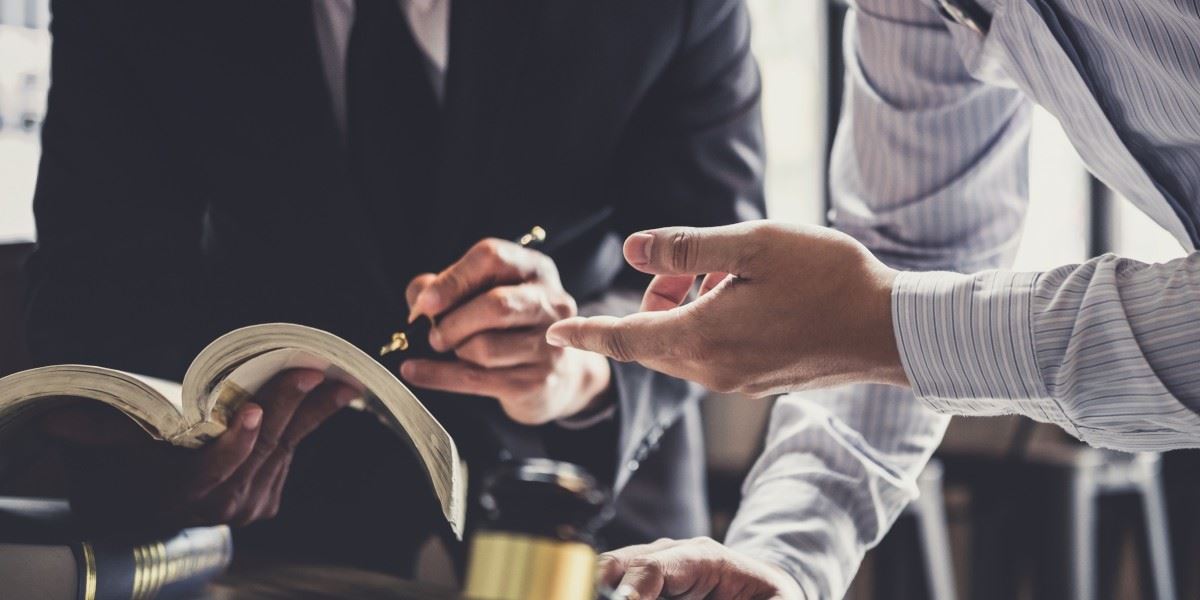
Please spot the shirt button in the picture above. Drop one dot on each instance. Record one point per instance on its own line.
(632, 465)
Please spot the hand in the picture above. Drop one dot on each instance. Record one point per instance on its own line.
(693, 569)
(119, 475)
(492, 308)
(782, 308)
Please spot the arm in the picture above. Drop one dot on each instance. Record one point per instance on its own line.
(929, 172)
(1107, 349)
(118, 258)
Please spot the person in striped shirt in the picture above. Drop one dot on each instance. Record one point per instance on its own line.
(906, 297)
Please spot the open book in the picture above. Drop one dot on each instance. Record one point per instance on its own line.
(227, 373)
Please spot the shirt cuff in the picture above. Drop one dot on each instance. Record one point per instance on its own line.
(594, 416)
(966, 343)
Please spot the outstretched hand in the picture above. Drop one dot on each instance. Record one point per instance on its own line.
(781, 308)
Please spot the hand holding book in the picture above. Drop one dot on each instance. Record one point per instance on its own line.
(122, 477)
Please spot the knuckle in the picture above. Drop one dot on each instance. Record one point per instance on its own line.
(616, 345)
(683, 248)
(490, 251)
(563, 306)
(264, 447)
(503, 301)
(646, 565)
(227, 510)
(453, 282)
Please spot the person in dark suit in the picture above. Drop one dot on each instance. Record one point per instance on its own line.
(211, 165)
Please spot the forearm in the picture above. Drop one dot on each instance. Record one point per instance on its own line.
(1107, 349)
(838, 468)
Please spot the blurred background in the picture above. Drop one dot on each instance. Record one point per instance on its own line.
(1009, 509)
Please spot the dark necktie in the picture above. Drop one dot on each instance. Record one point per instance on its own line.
(394, 121)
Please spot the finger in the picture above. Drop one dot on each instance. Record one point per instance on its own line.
(415, 287)
(92, 424)
(463, 378)
(691, 250)
(318, 406)
(220, 459)
(711, 281)
(280, 398)
(643, 579)
(499, 349)
(612, 563)
(260, 497)
(504, 307)
(674, 572)
(487, 264)
(277, 489)
(637, 337)
(667, 291)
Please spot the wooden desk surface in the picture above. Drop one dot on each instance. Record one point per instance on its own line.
(318, 583)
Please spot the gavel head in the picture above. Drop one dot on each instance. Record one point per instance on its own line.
(538, 538)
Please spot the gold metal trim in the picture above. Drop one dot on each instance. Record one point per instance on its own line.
(89, 571)
(506, 566)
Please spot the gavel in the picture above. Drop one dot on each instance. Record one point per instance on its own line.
(538, 540)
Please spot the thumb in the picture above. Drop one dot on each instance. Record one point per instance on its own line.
(690, 250)
(637, 337)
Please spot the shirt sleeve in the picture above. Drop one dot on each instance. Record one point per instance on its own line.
(837, 469)
(1107, 350)
(929, 171)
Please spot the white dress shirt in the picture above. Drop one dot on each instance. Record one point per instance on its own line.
(430, 24)
(930, 172)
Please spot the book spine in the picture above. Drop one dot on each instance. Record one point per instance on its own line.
(173, 568)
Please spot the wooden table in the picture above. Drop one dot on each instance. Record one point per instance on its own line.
(318, 583)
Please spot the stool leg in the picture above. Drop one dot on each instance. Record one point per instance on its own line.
(1157, 532)
(935, 535)
(1083, 513)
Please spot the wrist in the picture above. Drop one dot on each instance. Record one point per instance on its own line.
(881, 353)
(595, 382)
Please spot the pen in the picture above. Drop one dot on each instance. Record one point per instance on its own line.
(399, 342)
(537, 237)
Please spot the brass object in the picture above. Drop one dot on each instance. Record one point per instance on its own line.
(89, 572)
(511, 566)
(399, 343)
(535, 236)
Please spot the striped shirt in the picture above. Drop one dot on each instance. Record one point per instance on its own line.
(930, 171)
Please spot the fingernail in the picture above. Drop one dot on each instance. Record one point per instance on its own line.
(435, 340)
(428, 297)
(637, 249)
(253, 418)
(305, 383)
(555, 339)
(407, 370)
(413, 315)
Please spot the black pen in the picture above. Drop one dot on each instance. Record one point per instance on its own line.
(536, 237)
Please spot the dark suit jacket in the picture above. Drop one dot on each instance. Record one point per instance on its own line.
(193, 180)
